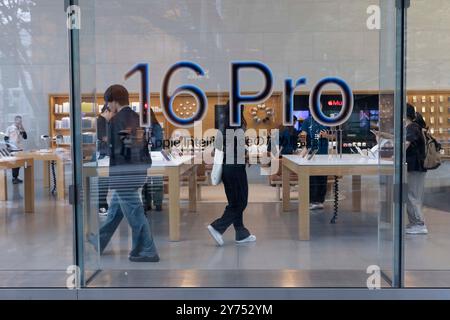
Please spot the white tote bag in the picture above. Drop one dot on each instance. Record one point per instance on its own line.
(216, 173)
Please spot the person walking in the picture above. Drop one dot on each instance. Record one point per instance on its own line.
(415, 156)
(129, 162)
(234, 177)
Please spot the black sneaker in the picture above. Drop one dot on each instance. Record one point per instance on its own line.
(16, 181)
(154, 258)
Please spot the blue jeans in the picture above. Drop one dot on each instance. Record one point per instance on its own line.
(128, 203)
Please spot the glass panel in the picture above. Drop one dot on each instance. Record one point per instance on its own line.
(85, 140)
(427, 257)
(36, 237)
(386, 134)
(170, 204)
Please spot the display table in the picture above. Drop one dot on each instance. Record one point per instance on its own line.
(28, 165)
(327, 165)
(174, 169)
(47, 158)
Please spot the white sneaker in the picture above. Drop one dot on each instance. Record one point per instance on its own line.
(250, 238)
(316, 206)
(103, 212)
(417, 229)
(216, 235)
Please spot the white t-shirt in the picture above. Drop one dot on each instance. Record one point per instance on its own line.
(15, 138)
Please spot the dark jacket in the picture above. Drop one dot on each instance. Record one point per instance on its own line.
(415, 154)
(102, 135)
(157, 137)
(288, 140)
(312, 129)
(128, 150)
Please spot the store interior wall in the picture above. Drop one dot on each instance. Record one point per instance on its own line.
(313, 39)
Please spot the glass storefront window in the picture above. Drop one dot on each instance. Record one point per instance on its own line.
(127, 104)
(36, 237)
(337, 235)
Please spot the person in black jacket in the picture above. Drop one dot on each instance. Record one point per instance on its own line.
(129, 161)
(415, 156)
(102, 145)
(234, 178)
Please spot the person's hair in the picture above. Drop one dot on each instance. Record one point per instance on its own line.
(153, 119)
(105, 108)
(18, 117)
(420, 121)
(410, 112)
(117, 93)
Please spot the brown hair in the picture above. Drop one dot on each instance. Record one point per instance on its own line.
(117, 93)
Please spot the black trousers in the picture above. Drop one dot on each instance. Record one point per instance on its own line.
(317, 188)
(15, 172)
(234, 178)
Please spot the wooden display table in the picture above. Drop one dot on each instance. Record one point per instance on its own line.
(15, 162)
(47, 158)
(173, 169)
(326, 165)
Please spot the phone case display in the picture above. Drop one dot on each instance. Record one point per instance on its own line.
(64, 123)
(435, 109)
(88, 107)
(88, 122)
(89, 137)
(62, 108)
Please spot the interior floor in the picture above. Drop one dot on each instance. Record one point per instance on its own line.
(38, 247)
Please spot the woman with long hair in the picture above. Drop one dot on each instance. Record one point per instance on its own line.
(234, 177)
